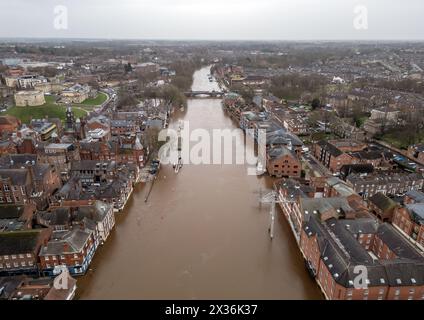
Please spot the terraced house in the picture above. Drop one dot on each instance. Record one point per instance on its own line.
(19, 251)
(392, 183)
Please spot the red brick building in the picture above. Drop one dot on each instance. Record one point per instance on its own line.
(32, 183)
(382, 206)
(331, 156)
(9, 124)
(7, 146)
(74, 249)
(19, 250)
(410, 219)
(336, 251)
(282, 162)
(122, 151)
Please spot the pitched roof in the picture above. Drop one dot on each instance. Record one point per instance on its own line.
(11, 211)
(71, 241)
(333, 150)
(279, 152)
(417, 196)
(341, 252)
(19, 177)
(18, 242)
(382, 201)
(416, 212)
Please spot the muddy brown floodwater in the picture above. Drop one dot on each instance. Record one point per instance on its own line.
(201, 235)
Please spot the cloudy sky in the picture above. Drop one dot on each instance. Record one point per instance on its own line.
(215, 19)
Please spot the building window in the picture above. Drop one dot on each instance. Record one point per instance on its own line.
(13, 256)
(28, 255)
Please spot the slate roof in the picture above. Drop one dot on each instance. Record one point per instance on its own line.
(8, 285)
(295, 189)
(96, 212)
(40, 170)
(122, 123)
(382, 202)
(417, 196)
(11, 211)
(348, 169)
(284, 138)
(319, 205)
(333, 150)
(75, 240)
(279, 152)
(341, 252)
(416, 212)
(384, 178)
(56, 217)
(18, 242)
(11, 160)
(19, 177)
(92, 165)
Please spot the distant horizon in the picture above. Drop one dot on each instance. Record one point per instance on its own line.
(206, 39)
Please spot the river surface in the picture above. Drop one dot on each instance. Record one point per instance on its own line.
(201, 235)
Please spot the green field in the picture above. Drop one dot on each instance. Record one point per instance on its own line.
(401, 140)
(101, 97)
(25, 114)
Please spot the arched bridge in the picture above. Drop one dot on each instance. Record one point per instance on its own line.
(204, 94)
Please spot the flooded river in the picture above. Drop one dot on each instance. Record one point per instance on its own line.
(201, 235)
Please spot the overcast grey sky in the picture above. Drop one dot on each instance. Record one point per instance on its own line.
(217, 19)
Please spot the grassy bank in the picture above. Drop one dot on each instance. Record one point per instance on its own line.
(50, 109)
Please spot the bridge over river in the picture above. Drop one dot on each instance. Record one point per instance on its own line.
(204, 94)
